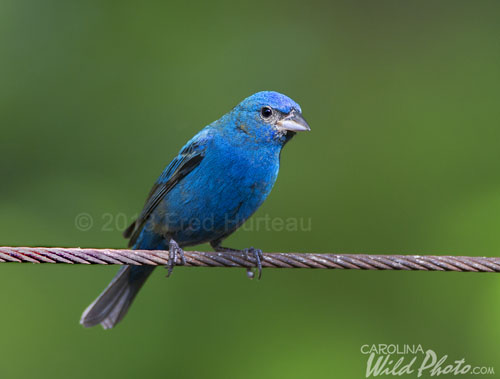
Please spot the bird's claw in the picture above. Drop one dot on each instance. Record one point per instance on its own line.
(173, 250)
(258, 256)
(249, 253)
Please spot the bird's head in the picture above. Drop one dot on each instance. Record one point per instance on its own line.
(269, 116)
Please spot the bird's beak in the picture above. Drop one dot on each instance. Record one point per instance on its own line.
(293, 122)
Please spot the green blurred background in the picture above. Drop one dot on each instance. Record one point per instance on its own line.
(96, 97)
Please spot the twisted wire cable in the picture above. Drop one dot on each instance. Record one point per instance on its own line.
(270, 260)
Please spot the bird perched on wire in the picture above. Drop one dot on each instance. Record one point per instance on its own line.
(215, 183)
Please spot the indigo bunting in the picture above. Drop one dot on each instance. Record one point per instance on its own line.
(215, 183)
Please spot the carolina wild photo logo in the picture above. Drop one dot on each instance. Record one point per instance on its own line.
(414, 360)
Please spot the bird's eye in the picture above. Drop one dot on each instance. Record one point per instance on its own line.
(266, 112)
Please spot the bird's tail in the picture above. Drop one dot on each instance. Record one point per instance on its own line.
(113, 303)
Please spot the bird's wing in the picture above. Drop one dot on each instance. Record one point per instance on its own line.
(189, 157)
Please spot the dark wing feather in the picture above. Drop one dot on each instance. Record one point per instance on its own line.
(189, 158)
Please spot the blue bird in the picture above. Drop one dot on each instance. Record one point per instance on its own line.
(215, 183)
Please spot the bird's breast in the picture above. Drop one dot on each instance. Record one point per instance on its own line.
(220, 194)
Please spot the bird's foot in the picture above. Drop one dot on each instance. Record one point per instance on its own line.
(174, 250)
(258, 256)
(249, 253)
